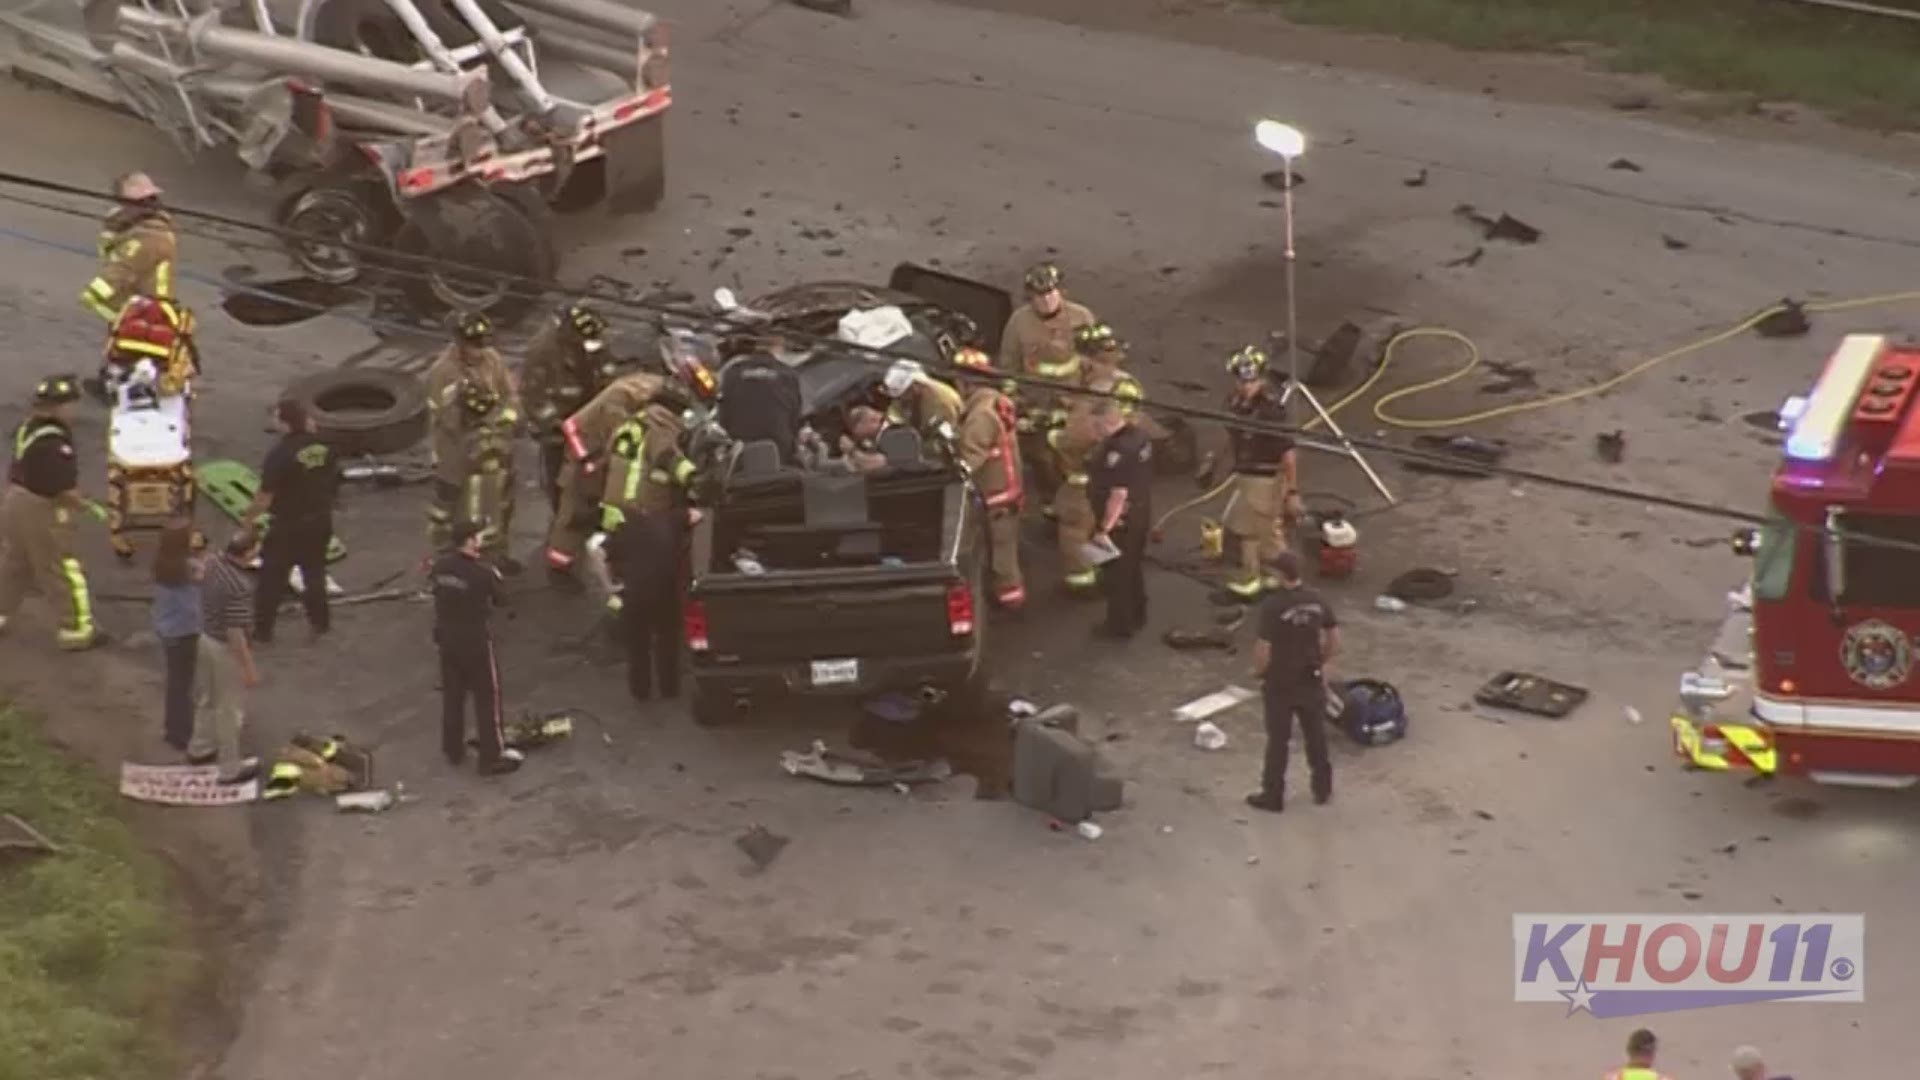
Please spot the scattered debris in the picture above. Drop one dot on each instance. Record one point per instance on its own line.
(1421, 585)
(1625, 165)
(1418, 179)
(20, 841)
(1458, 455)
(1789, 321)
(1213, 704)
(1673, 243)
(1333, 360)
(1611, 446)
(365, 802)
(1208, 736)
(854, 769)
(1514, 230)
(1530, 693)
(1278, 179)
(1470, 259)
(184, 785)
(379, 595)
(1060, 774)
(1218, 638)
(1088, 830)
(1483, 815)
(761, 846)
(1389, 603)
(1632, 715)
(1632, 103)
(534, 730)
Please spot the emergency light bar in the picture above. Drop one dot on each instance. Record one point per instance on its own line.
(1817, 431)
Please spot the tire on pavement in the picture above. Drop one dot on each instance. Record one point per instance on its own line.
(359, 412)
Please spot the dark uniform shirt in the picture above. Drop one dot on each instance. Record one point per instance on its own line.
(1123, 460)
(47, 465)
(1259, 452)
(1291, 621)
(300, 473)
(760, 400)
(464, 591)
(648, 550)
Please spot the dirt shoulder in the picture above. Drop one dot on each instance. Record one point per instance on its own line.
(1576, 75)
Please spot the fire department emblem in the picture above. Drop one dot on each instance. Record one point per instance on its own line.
(1876, 655)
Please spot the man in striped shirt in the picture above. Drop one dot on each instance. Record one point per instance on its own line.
(225, 666)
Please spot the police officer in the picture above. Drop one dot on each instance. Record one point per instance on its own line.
(137, 247)
(36, 516)
(470, 356)
(1120, 489)
(990, 449)
(1299, 637)
(1038, 341)
(760, 401)
(920, 401)
(465, 590)
(297, 485)
(1641, 1048)
(650, 549)
(566, 364)
(1266, 484)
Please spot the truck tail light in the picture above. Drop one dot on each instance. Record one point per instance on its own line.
(693, 618)
(959, 609)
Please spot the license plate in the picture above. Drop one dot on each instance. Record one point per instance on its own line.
(835, 672)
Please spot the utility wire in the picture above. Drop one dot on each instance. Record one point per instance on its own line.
(703, 320)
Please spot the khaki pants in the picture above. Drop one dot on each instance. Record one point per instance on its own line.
(1003, 536)
(220, 705)
(486, 499)
(37, 535)
(1073, 515)
(1254, 523)
(566, 534)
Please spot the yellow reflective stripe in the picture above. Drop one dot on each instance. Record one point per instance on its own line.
(1057, 369)
(1249, 587)
(682, 471)
(1078, 479)
(631, 489)
(163, 278)
(101, 288)
(147, 348)
(82, 599)
(128, 249)
(28, 435)
(1753, 744)
(1082, 579)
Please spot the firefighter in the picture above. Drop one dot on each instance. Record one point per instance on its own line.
(465, 592)
(566, 364)
(486, 496)
(990, 448)
(137, 248)
(585, 436)
(1266, 500)
(1038, 342)
(36, 516)
(471, 356)
(1069, 445)
(921, 401)
(647, 472)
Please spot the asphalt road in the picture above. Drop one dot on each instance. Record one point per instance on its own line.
(591, 916)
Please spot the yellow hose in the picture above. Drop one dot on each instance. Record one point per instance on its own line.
(1382, 411)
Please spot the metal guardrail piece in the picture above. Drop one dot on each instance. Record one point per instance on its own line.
(1863, 8)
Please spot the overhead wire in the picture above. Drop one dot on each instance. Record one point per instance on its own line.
(661, 312)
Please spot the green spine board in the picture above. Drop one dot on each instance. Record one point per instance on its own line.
(231, 486)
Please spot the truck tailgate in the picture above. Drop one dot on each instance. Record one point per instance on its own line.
(776, 619)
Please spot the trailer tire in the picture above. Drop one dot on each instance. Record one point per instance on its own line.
(352, 212)
(475, 228)
(365, 410)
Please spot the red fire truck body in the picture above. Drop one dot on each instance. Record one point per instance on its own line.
(1813, 673)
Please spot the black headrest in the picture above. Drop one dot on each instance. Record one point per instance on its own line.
(900, 446)
(759, 458)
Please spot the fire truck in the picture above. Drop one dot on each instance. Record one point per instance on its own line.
(1812, 673)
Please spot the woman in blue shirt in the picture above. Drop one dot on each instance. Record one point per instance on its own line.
(176, 620)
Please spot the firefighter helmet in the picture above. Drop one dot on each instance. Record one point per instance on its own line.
(972, 359)
(478, 399)
(1248, 364)
(1043, 278)
(57, 390)
(1097, 338)
(136, 187)
(473, 328)
(586, 324)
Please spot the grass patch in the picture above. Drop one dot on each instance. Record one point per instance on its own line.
(89, 951)
(1861, 67)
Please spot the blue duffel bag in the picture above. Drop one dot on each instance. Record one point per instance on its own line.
(1369, 711)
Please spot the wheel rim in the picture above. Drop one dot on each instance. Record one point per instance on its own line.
(335, 221)
(467, 291)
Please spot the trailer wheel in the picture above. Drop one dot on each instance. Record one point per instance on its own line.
(472, 250)
(364, 410)
(338, 215)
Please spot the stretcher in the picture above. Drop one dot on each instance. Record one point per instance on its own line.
(231, 486)
(149, 455)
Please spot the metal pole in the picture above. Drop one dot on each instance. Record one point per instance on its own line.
(1293, 329)
(609, 17)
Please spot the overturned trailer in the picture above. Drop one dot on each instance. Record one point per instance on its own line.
(446, 131)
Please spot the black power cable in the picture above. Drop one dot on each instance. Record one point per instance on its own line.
(705, 320)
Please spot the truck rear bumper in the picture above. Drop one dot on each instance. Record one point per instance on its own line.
(1723, 747)
(944, 672)
(1849, 759)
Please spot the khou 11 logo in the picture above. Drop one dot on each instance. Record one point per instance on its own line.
(1631, 965)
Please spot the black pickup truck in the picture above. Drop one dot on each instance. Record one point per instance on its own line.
(829, 582)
